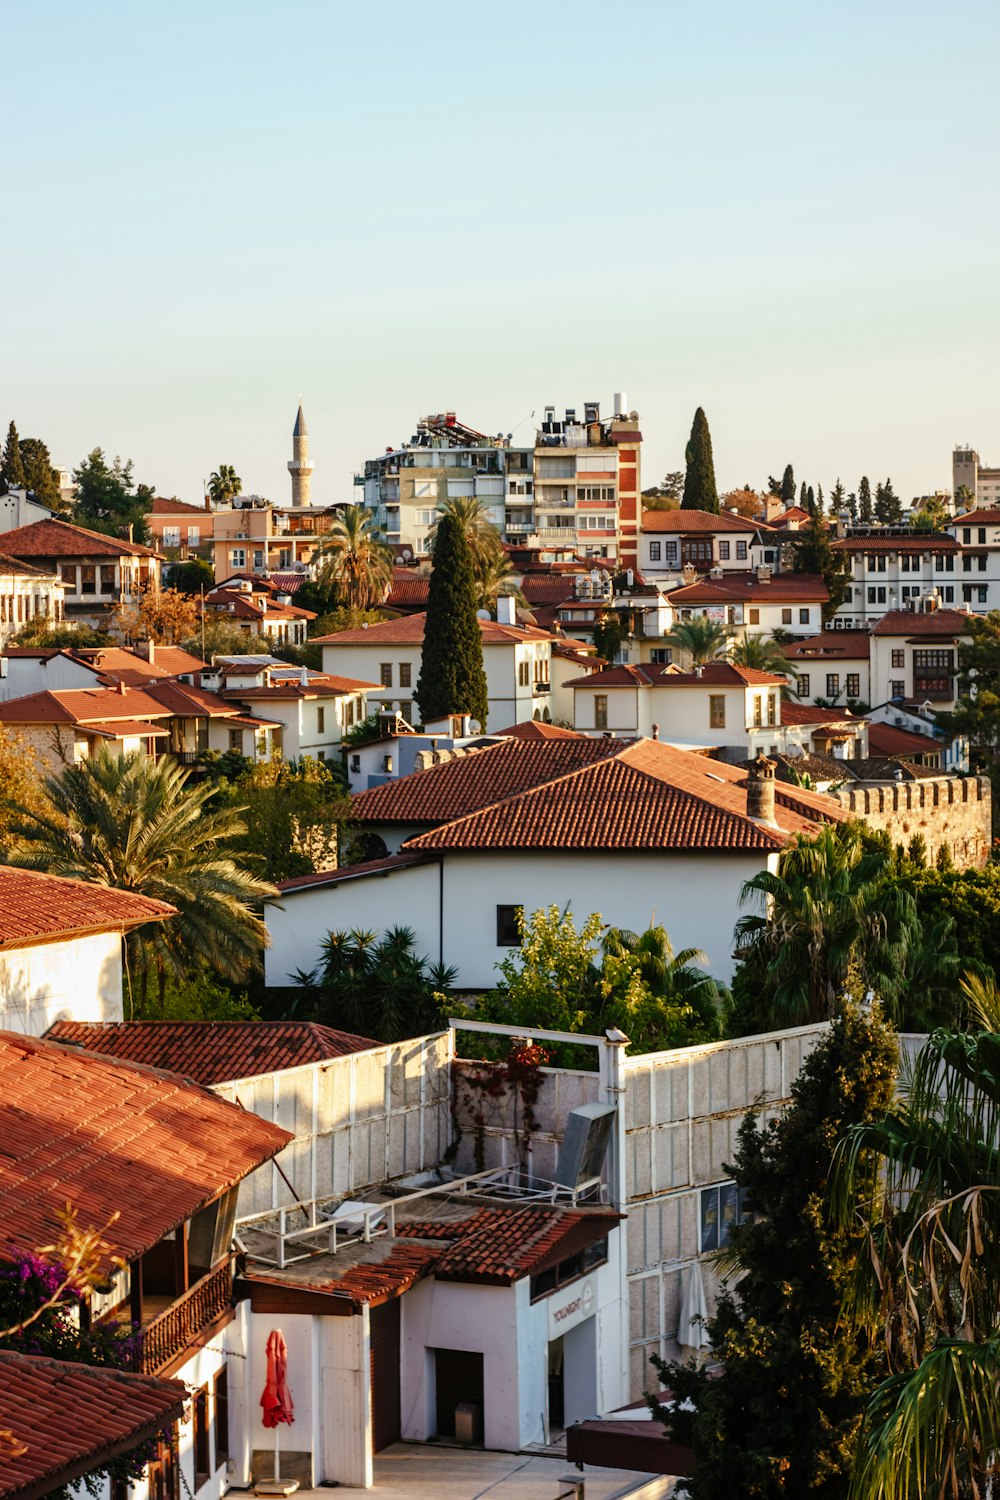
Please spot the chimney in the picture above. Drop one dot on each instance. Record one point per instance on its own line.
(505, 609)
(146, 651)
(760, 791)
(120, 687)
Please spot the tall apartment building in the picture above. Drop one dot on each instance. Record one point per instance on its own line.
(578, 488)
(587, 481)
(445, 460)
(981, 483)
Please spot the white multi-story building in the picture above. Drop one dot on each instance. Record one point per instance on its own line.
(672, 540)
(893, 567)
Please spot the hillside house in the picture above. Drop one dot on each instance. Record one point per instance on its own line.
(96, 571)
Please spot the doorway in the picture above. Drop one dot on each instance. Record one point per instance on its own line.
(458, 1378)
(384, 1342)
(557, 1388)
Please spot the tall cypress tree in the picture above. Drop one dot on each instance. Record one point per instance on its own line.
(700, 492)
(803, 496)
(865, 511)
(837, 499)
(11, 467)
(452, 677)
(814, 554)
(788, 486)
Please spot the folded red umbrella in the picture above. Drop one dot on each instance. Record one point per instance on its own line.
(276, 1400)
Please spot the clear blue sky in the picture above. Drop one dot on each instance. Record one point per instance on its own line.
(783, 212)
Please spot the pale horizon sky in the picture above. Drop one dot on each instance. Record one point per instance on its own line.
(788, 216)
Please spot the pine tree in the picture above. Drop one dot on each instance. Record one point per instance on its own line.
(837, 499)
(700, 492)
(452, 677)
(39, 476)
(865, 512)
(819, 499)
(788, 486)
(814, 554)
(781, 1417)
(888, 507)
(11, 467)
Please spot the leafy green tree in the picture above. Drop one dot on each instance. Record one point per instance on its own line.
(888, 507)
(374, 987)
(814, 553)
(671, 487)
(133, 824)
(355, 559)
(197, 996)
(107, 499)
(925, 1177)
(193, 576)
(452, 677)
(829, 916)
(762, 653)
(11, 467)
(39, 632)
(781, 1413)
(224, 485)
(593, 979)
(977, 710)
(866, 513)
(39, 475)
(609, 633)
(700, 492)
(702, 639)
(788, 486)
(293, 812)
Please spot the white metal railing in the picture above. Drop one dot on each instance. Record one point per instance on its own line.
(361, 1221)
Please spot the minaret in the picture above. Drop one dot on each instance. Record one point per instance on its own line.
(301, 466)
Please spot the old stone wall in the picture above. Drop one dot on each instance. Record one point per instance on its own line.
(954, 811)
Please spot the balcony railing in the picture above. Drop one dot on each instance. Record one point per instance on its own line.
(174, 1330)
(540, 689)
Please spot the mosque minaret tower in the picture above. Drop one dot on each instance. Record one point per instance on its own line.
(301, 466)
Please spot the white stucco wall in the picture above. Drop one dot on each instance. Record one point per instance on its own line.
(76, 979)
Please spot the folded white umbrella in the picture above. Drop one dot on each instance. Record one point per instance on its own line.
(691, 1331)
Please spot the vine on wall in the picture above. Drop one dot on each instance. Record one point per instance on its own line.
(480, 1093)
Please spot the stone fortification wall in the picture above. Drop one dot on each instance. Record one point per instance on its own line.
(954, 811)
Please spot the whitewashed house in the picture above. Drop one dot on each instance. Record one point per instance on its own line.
(672, 540)
(313, 709)
(27, 595)
(754, 603)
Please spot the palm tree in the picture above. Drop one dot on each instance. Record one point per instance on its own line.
(701, 638)
(133, 824)
(673, 979)
(494, 578)
(930, 1284)
(762, 653)
(485, 541)
(224, 485)
(829, 915)
(373, 986)
(354, 559)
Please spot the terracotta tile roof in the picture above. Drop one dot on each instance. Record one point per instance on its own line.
(125, 666)
(533, 729)
(469, 782)
(647, 796)
(175, 507)
(498, 1246)
(71, 1418)
(52, 539)
(546, 589)
(783, 588)
(101, 705)
(793, 513)
(409, 631)
(408, 593)
(981, 517)
(14, 565)
(885, 739)
(37, 908)
(188, 702)
(939, 622)
(213, 1051)
(107, 1137)
(842, 644)
(579, 652)
(927, 541)
(126, 729)
(652, 674)
(805, 713)
(320, 685)
(386, 1274)
(384, 866)
(696, 522)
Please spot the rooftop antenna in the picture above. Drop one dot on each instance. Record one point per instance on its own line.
(522, 422)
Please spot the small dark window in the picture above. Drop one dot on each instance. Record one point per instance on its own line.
(508, 927)
(221, 1418)
(202, 1458)
(803, 617)
(404, 674)
(385, 673)
(786, 617)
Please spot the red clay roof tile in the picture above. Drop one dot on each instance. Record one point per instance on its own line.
(690, 522)
(37, 908)
(53, 539)
(409, 631)
(910, 622)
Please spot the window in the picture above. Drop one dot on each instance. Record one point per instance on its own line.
(758, 711)
(509, 926)
(772, 708)
(876, 564)
(803, 685)
(981, 591)
(171, 536)
(237, 557)
(661, 656)
(717, 711)
(723, 551)
(569, 1270)
(221, 1418)
(876, 595)
(194, 536)
(832, 684)
(654, 551)
(697, 550)
(202, 1458)
(385, 673)
(670, 552)
(721, 1208)
(966, 534)
(982, 564)
(600, 710)
(67, 572)
(236, 741)
(853, 685)
(948, 593)
(741, 551)
(754, 616)
(982, 536)
(786, 617)
(966, 564)
(88, 579)
(320, 719)
(524, 674)
(803, 617)
(405, 674)
(897, 659)
(107, 576)
(258, 557)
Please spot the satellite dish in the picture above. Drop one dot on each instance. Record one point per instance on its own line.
(483, 614)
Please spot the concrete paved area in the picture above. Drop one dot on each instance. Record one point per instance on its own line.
(415, 1471)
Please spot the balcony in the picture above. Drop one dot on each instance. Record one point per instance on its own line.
(541, 689)
(177, 1327)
